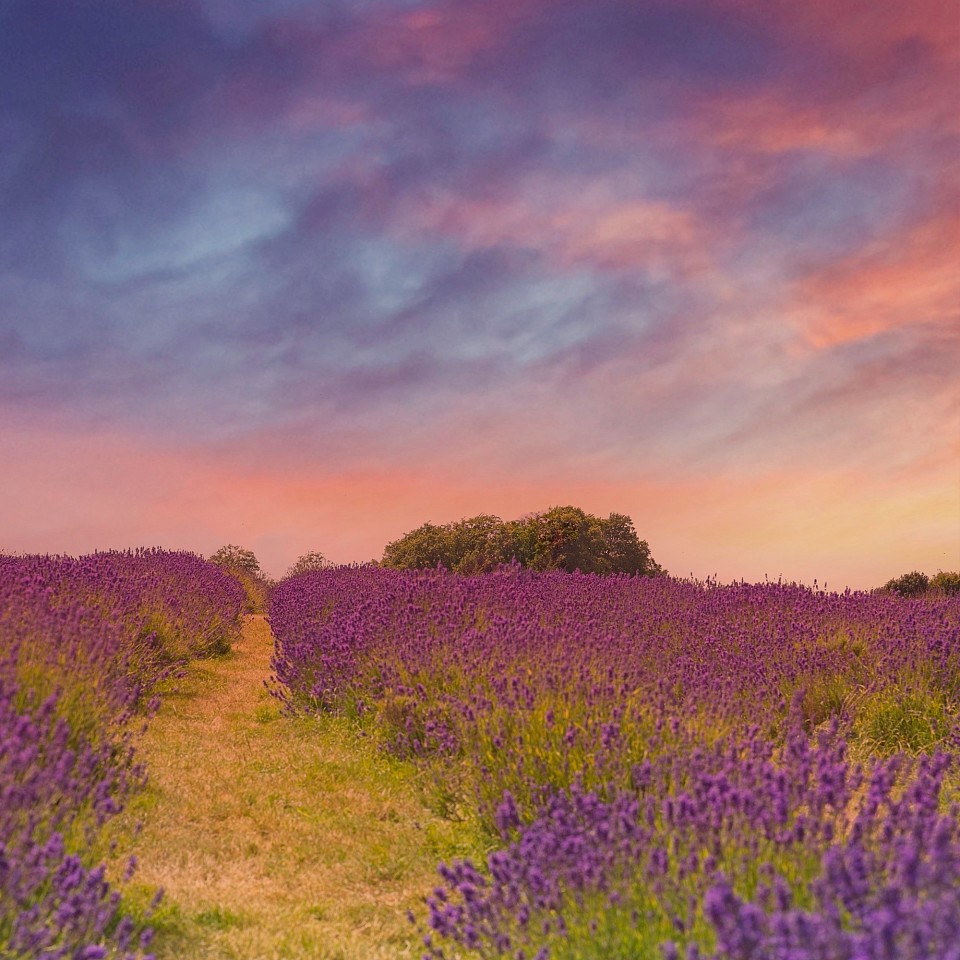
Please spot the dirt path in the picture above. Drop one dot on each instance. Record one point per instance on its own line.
(273, 837)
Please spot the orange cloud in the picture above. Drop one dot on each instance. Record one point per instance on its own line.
(902, 281)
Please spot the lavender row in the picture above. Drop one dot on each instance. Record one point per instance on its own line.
(674, 768)
(83, 644)
(740, 852)
(554, 675)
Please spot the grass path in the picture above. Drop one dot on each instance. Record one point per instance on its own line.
(274, 837)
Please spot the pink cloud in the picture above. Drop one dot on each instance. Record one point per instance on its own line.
(868, 33)
(570, 224)
(434, 44)
(770, 123)
(899, 65)
(907, 280)
(889, 71)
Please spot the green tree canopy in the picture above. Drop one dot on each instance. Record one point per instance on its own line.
(560, 538)
(232, 557)
(946, 581)
(314, 560)
(569, 539)
(624, 551)
(909, 585)
(478, 543)
(915, 584)
(427, 546)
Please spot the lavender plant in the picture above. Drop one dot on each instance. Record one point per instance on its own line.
(671, 768)
(83, 644)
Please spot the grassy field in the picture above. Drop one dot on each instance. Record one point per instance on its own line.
(275, 837)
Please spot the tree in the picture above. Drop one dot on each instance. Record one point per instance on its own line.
(427, 546)
(909, 585)
(624, 551)
(477, 544)
(946, 581)
(520, 540)
(234, 558)
(309, 562)
(569, 539)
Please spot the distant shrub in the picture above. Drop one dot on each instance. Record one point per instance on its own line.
(947, 582)
(916, 584)
(909, 585)
(314, 560)
(231, 557)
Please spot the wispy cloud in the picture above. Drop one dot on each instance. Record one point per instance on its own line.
(506, 249)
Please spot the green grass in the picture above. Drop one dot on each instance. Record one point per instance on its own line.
(277, 837)
(910, 719)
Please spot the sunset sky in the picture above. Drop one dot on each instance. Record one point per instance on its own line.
(304, 275)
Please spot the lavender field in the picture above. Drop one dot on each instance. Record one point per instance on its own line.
(656, 768)
(665, 768)
(84, 644)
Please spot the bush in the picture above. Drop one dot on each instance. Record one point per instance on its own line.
(947, 582)
(309, 562)
(909, 585)
(915, 584)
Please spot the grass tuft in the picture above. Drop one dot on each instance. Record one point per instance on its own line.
(895, 719)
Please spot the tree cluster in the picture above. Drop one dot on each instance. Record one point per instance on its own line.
(915, 584)
(561, 538)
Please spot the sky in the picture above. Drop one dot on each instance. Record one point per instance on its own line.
(305, 275)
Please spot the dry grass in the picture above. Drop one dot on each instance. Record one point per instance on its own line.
(275, 837)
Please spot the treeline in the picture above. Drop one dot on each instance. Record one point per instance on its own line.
(561, 538)
(916, 584)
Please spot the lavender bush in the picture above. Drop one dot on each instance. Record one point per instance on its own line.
(83, 644)
(672, 768)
